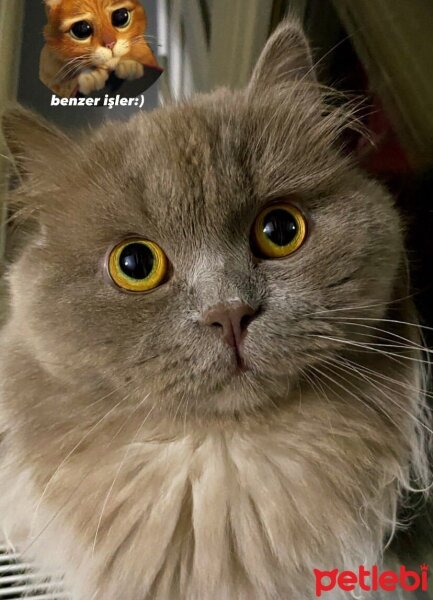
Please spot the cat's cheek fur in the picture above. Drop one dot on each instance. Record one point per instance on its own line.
(121, 48)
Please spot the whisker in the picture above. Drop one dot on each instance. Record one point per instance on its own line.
(422, 391)
(381, 330)
(71, 66)
(317, 387)
(125, 456)
(418, 422)
(359, 307)
(352, 393)
(370, 347)
(386, 320)
(58, 512)
(369, 379)
(70, 454)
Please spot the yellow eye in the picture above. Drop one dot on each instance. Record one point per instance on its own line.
(279, 230)
(137, 265)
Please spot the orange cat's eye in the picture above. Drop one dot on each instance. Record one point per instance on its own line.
(137, 265)
(279, 230)
(81, 30)
(121, 18)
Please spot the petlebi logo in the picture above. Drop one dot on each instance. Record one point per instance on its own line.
(370, 580)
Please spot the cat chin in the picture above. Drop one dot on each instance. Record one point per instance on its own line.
(112, 64)
(245, 393)
(216, 390)
(235, 398)
(102, 56)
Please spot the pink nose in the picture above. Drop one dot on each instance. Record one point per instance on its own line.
(110, 45)
(232, 320)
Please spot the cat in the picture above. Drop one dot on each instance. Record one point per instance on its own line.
(211, 378)
(89, 39)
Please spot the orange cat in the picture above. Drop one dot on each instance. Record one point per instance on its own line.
(86, 40)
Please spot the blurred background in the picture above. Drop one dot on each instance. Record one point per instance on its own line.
(380, 50)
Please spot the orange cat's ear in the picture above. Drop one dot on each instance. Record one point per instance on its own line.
(286, 57)
(52, 3)
(33, 143)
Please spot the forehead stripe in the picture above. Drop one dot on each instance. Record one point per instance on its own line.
(66, 24)
(120, 4)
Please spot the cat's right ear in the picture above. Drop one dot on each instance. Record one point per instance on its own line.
(286, 58)
(34, 144)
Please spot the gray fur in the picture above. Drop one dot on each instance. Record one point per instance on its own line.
(139, 458)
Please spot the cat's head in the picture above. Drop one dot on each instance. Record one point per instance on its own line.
(94, 32)
(205, 254)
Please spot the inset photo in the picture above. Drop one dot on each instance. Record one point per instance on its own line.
(95, 47)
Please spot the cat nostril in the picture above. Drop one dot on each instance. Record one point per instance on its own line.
(245, 321)
(110, 45)
(233, 319)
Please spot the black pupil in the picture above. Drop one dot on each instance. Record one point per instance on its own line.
(137, 261)
(82, 30)
(120, 17)
(280, 227)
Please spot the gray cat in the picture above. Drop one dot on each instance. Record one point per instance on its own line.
(211, 377)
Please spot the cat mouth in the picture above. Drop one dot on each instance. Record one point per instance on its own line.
(236, 361)
(240, 362)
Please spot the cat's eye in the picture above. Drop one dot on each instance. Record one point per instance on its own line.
(81, 30)
(121, 18)
(138, 265)
(278, 231)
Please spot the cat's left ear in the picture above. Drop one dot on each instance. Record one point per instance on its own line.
(34, 144)
(285, 58)
(52, 3)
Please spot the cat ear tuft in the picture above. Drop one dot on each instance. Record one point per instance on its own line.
(286, 57)
(52, 3)
(30, 139)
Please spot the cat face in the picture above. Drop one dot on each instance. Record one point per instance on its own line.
(219, 187)
(99, 32)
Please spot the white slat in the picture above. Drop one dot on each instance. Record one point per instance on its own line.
(21, 580)
(48, 597)
(24, 589)
(15, 568)
(7, 558)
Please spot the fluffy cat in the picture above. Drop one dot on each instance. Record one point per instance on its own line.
(256, 411)
(88, 39)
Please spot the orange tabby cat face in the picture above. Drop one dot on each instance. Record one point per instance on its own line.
(99, 32)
